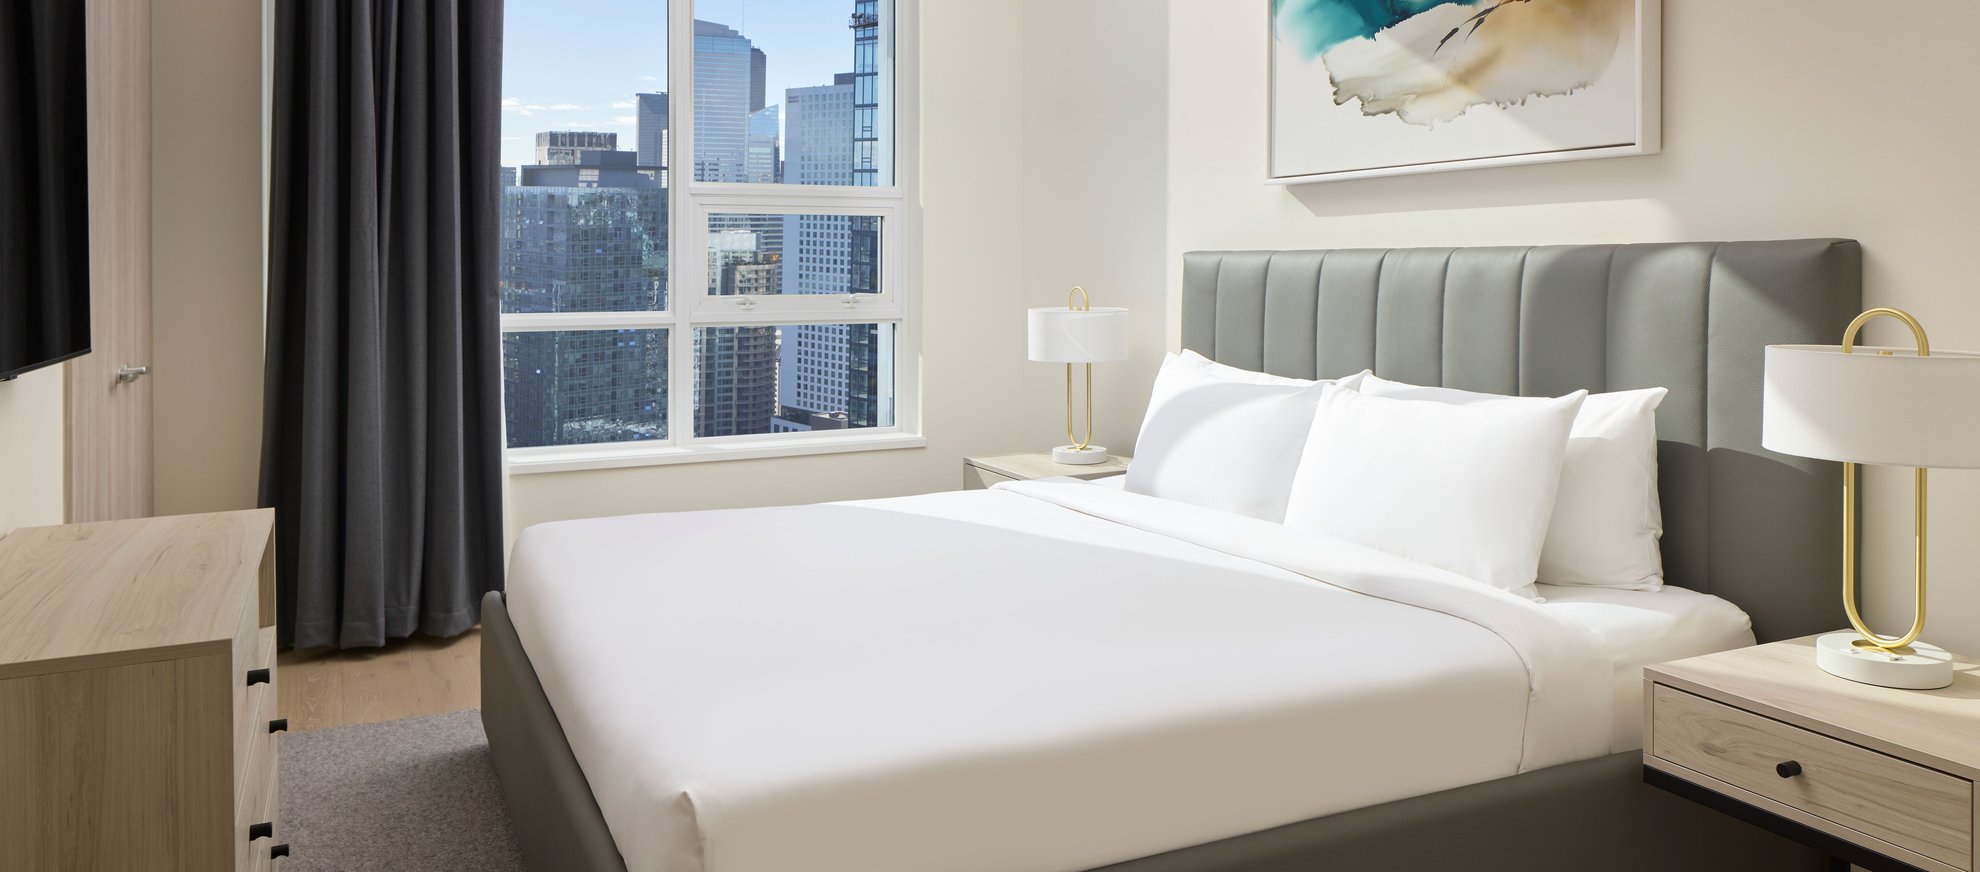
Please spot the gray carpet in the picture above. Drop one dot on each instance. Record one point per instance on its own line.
(417, 795)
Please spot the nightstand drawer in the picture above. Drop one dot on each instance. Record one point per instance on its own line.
(1907, 805)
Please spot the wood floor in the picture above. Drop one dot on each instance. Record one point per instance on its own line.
(408, 678)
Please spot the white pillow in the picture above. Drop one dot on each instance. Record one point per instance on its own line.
(1225, 372)
(1607, 519)
(1464, 488)
(1222, 437)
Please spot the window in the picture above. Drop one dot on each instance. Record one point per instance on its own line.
(756, 301)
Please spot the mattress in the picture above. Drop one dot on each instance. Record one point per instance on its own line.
(1047, 675)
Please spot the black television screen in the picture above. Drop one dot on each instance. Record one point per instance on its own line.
(44, 185)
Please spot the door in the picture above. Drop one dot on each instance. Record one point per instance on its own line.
(109, 397)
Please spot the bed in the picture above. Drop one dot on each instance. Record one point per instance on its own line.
(1064, 675)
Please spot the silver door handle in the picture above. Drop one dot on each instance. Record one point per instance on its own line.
(128, 374)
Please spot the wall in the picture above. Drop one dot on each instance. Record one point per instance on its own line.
(32, 491)
(1095, 156)
(206, 254)
(1039, 172)
(1782, 118)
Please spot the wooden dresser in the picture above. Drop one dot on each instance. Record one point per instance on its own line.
(137, 695)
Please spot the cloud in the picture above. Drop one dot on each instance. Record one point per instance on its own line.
(512, 104)
(623, 104)
(624, 119)
(649, 78)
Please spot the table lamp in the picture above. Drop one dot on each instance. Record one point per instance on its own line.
(1887, 406)
(1078, 333)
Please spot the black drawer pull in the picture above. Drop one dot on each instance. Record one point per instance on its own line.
(1788, 770)
(261, 831)
(279, 851)
(278, 725)
(257, 676)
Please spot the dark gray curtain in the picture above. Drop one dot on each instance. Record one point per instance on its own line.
(381, 449)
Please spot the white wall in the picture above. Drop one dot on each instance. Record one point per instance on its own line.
(1042, 168)
(32, 450)
(1782, 118)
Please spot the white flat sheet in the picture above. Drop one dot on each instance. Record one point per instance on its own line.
(1641, 628)
(1637, 628)
(1044, 676)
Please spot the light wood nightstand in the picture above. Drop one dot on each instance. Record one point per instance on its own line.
(982, 472)
(1874, 776)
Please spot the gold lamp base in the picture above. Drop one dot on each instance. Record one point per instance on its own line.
(1916, 666)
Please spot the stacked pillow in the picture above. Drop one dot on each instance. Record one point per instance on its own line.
(1223, 437)
(1504, 490)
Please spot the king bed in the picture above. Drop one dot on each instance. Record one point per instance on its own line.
(1069, 675)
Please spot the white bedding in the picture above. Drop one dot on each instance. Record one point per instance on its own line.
(1048, 675)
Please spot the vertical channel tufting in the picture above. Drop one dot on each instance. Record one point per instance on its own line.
(1291, 313)
(1409, 320)
(1348, 288)
(1199, 302)
(1563, 320)
(1481, 319)
(1656, 329)
(1740, 522)
(1240, 335)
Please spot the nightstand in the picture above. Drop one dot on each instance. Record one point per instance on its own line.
(982, 472)
(1873, 776)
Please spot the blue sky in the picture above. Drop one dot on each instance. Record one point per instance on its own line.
(576, 64)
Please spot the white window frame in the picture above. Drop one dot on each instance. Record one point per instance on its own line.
(691, 307)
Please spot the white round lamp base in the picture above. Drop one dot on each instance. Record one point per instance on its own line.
(1927, 667)
(1079, 456)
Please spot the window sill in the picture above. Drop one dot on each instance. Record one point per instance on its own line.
(529, 460)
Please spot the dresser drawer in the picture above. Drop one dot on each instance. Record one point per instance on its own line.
(1910, 806)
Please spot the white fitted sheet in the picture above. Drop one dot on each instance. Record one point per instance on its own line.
(1641, 628)
(1044, 676)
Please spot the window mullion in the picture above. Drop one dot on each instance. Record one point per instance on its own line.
(686, 285)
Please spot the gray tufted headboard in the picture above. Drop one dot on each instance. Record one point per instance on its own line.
(1757, 528)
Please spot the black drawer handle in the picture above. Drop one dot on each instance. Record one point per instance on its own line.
(257, 676)
(278, 725)
(261, 831)
(279, 851)
(1788, 770)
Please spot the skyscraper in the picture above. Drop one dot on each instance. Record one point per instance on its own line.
(735, 389)
(763, 163)
(587, 236)
(759, 68)
(652, 130)
(562, 147)
(722, 82)
(869, 402)
(817, 151)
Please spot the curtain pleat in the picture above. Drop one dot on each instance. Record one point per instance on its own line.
(382, 441)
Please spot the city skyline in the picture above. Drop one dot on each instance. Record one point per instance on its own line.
(546, 86)
(585, 229)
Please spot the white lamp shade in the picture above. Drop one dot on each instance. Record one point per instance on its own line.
(1874, 405)
(1078, 335)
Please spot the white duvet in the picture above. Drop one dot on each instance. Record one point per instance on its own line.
(1045, 676)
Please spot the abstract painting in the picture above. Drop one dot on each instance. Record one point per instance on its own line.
(1380, 87)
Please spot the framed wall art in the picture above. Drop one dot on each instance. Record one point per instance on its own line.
(1362, 88)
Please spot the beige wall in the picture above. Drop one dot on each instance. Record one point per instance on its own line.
(32, 492)
(1782, 118)
(206, 254)
(1040, 171)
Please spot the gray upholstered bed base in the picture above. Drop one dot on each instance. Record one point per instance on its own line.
(1739, 522)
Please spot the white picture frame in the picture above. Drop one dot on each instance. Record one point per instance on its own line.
(1646, 138)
